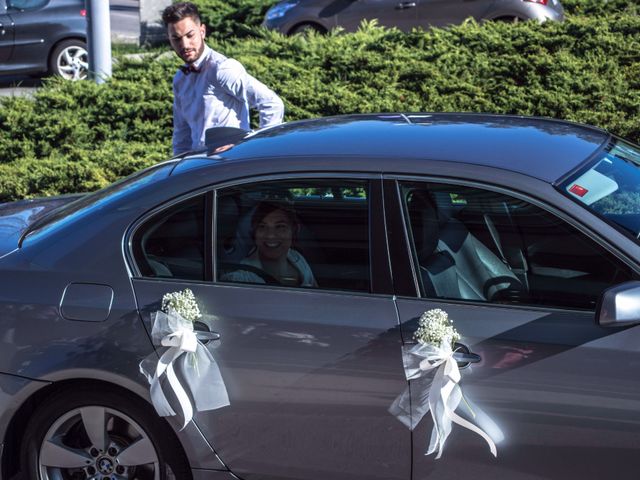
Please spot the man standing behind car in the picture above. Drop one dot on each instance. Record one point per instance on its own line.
(210, 90)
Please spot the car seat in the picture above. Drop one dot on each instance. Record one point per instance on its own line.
(453, 262)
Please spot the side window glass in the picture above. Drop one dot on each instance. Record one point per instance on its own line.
(171, 243)
(303, 233)
(472, 244)
(26, 4)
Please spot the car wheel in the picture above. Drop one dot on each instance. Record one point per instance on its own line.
(93, 434)
(306, 28)
(509, 19)
(69, 60)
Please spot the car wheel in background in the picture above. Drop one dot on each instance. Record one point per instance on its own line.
(306, 28)
(69, 60)
(508, 19)
(88, 433)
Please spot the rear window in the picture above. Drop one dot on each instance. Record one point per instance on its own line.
(91, 201)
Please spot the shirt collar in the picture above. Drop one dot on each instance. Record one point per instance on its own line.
(200, 60)
(198, 64)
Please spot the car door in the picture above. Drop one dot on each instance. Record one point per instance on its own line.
(310, 369)
(562, 391)
(441, 13)
(390, 13)
(6, 35)
(32, 25)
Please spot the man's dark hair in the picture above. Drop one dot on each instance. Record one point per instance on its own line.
(176, 12)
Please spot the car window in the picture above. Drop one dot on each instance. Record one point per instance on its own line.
(26, 4)
(304, 234)
(473, 244)
(610, 187)
(171, 243)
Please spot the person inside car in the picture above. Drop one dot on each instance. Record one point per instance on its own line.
(274, 229)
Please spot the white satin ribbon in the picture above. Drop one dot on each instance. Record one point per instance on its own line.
(441, 395)
(193, 361)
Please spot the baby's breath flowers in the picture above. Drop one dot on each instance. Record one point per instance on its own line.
(183, 303)
(434, 327)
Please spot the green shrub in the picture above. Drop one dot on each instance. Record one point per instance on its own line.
(232, 18)
(79, 136)
(600, 7)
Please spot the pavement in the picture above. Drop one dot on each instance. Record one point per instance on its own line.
(125, 21)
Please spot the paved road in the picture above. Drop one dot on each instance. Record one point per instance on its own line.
(125, 21)
(125, 28)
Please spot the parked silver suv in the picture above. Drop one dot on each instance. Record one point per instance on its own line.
(293, 16)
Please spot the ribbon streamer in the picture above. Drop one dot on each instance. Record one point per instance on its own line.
(194, 363)
(441, 394)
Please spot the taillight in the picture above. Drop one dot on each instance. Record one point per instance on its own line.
(541, 2)
(83, 12)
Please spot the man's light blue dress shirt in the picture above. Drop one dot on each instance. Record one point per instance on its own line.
(219, 95)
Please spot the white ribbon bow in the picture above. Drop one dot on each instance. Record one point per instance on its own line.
(194, 362)
(440, 395)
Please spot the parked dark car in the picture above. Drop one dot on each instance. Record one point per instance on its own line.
(293, 16)
(524, 230)
(43, 36)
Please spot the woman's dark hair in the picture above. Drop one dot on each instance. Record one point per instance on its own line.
(176, 12)
(266, 207)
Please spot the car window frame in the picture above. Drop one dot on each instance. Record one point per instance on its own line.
(380, 282)
(404, 249)
(130, 235)
(379, 261)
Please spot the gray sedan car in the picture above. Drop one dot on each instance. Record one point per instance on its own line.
(293, 16)
(524, 230)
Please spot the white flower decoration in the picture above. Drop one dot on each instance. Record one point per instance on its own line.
(435, 327)
(182, 303)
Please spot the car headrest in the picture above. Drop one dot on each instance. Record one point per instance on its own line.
(424, 223)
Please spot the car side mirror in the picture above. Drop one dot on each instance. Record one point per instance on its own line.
(619, 306)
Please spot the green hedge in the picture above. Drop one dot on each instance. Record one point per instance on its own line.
(600, 7)
(80, 136)
(233, 18)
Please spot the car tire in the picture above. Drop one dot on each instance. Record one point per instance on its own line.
(92, 433)
(513, 19)
(69, 60)
(305, 28)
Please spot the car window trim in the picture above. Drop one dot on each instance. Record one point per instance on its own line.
(380, 286)
(594, 236)
(130, 233)
(403, 267)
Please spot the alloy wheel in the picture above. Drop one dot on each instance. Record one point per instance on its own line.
(97, 443)
(72, 63)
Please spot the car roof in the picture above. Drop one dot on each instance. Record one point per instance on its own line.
(543, 148)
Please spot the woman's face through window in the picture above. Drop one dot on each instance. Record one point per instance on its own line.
(274, 235)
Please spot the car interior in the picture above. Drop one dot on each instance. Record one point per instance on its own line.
(332, 236)
(469, 244)
(473, 244)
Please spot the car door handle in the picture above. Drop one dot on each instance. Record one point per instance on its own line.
(204, 334)
(405, 5)
(206, 337)
(464, 357)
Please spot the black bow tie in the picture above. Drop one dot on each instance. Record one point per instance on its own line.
(187, 69)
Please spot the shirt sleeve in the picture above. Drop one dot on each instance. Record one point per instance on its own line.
(235, 79)
(181, 130)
